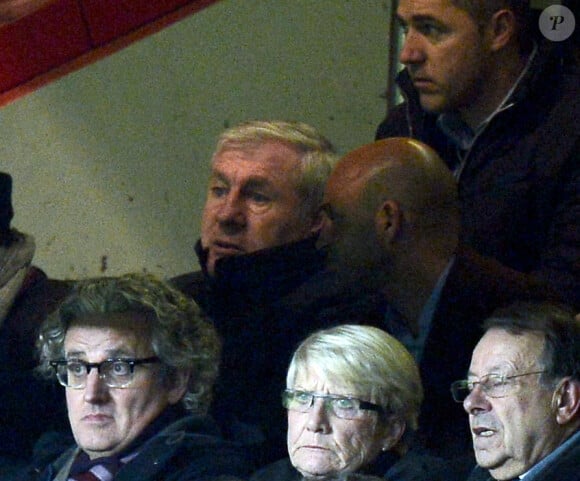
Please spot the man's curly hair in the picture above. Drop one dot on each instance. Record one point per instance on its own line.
(180, 335)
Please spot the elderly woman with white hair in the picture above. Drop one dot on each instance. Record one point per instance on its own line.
(353, 395)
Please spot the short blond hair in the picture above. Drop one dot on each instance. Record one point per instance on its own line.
(367, 360)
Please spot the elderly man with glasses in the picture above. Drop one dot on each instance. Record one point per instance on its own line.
(523, 395)
(138, 363)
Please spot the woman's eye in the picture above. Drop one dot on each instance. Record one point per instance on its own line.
(302, 397)
(344, 403)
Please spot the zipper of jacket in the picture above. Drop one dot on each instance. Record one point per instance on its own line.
(407, 111)
(502, 108)
(463, 161)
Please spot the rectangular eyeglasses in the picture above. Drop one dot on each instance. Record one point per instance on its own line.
(344, 407)
(116, 373)
(493, 385)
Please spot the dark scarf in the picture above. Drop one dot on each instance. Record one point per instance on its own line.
(83, 464)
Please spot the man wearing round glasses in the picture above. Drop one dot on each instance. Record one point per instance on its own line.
(138, 362)
(523, 395)
(353, 397)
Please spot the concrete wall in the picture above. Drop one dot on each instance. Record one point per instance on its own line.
(110, 163)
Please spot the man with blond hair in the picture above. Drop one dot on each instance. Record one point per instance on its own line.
(263, 281)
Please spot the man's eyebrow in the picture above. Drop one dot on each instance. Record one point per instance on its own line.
(492, 370)
(218, 175)
(115, 353)
(258, 182)
(252, 182)
(110, 353)
(75, 354)
(417, 18)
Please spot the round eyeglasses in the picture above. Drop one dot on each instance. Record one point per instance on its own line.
(114, 372)
(343, 407)
(493, 385)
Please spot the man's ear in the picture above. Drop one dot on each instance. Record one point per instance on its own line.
(389, 220)
(566, 400)
(178, 387)
(317, 221)
(501, 29)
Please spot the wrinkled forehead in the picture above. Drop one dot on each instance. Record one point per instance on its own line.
(500, 350)
(261, 151)
(316, 378)
(271, 162)
(124, 332)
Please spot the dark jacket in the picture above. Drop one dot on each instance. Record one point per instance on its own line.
(520, 187)
(474, 288)
(389, 466)
(188, 449)
(564, 467)
(263, 305)
(29, 405)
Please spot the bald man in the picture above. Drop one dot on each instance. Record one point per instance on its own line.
(392, 222)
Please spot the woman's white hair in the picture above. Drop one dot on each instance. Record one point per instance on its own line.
(367, 360)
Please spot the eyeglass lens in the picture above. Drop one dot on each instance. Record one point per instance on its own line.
(493, 385)
(114, 372)
(340, 406)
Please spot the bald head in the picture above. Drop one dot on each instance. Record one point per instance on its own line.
(389, 197)
(383, 152)
(401, 169)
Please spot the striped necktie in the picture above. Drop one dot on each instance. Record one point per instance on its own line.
(101, 469)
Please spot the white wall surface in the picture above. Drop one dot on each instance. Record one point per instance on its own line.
(110, 163)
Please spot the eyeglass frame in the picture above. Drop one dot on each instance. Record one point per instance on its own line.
(463, 384)
(362, 405)
(132, 362)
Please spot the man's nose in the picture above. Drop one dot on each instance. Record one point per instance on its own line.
(232, 209)
(476, 401)
(318, 421)
(412, 50)
(96, 390)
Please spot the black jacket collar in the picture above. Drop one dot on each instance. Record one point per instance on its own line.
(273, 271)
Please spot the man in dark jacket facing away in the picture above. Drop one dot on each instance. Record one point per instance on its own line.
(392, 222)
(26, 298)
(263, 282)
(502, 110)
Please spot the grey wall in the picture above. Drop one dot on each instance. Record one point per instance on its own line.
(111, 161)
